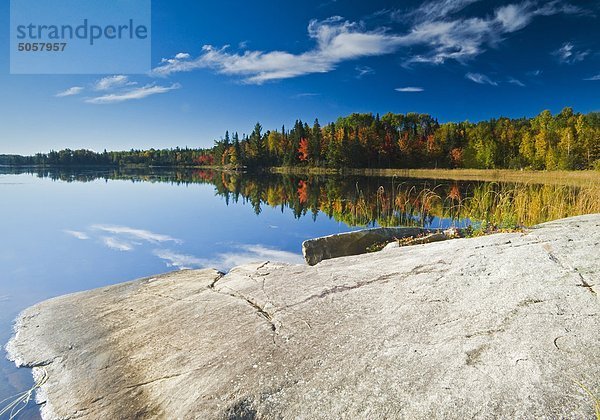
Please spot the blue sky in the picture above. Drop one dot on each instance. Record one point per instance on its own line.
(225, 65)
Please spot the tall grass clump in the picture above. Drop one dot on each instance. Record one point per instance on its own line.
(17, 403)
(509, 205)
(487, 205)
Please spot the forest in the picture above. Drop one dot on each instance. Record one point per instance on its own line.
(565, 141)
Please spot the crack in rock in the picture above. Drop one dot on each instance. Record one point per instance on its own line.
(556, 341)
(585, 284)
(164, 378)
(43, 363)
(507, 319)
(259, 309)
(220, 275)
(419, 269)
(567, 267)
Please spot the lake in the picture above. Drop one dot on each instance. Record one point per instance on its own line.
(65, 231)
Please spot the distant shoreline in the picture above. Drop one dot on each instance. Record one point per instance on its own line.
(579, 177)
(497, 175)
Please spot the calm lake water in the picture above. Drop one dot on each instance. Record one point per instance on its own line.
(63, 231)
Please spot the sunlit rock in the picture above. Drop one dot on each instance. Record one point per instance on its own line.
(500, 326)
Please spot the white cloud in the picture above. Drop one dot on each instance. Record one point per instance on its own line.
(140, 234)
(137, 93)
(560, 6)
(596, 77)
(513, 16)
(179, 261)
(567, 54)
(516, 82)
(337, 40)
(117, 244)
(363, 71)
(242, 254)
(482, 79)
(75, 90)
(112, 82)
(76, 234)
(327, 3)
(410, 89)
(464, 38)
(433, 10)
(534, 73)
(305, 95)
(4, 298)
(252, 253)
(122, 238)
(178, 57)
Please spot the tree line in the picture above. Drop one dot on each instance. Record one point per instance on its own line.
(67, 157)
(567, 140)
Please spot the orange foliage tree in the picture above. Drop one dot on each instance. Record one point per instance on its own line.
(303, 149)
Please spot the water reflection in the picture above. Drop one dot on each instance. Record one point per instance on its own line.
(370, 201)
(86, 231)
(125, 239)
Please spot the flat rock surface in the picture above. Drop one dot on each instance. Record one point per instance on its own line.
(502, 326)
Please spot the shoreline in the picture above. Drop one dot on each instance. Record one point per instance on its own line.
(492, 175)
(270, 339)
(575, 178)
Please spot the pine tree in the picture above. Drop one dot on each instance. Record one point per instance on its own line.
(316, 139)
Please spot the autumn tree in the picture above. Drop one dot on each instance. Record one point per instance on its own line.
(567, 140)
(303, 150)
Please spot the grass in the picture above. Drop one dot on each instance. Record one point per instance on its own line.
(594, 398)
(575, 178)
(17, 403)
(490, 206)
(526, 205)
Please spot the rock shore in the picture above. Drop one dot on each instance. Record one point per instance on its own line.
(502, 326)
